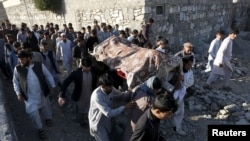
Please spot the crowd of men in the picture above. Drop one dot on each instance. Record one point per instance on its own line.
(31, 58)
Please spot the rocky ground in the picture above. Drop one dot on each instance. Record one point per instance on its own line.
(208, 107)
(203, 107)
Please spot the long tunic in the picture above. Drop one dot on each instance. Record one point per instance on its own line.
(35, 95)
(84, 101)
(101, 112)
(64, 50)
(212, 51)
(64, 53)
(213, 48)
(223, 56)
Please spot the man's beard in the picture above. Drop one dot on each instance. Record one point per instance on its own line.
(26, 64)
(64, 40)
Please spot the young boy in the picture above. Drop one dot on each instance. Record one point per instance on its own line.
(147, 127)
(213, 48)
(222, 62)
(101, 110)
(188, 81)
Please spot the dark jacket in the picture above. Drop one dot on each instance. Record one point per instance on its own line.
(76, 76)
(147, 128)
(90, 42)
(33, 42)
(79, 50)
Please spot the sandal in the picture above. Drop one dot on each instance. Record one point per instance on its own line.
(41, 134)
(49, 122)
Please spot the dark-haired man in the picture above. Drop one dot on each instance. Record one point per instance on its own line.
(213, 48)
(179, 95)
(32, 40)
(85, 80)
(33, 83)
(8, 48)
(13, 56)
(64, 52)
(147, 127)
(50, 62)
(50, 43)
(36, 56)
(21, 36)
(101, 110)
(147, 31)
(222, 61)
(143, 96)
(163, 46)
(78, 51)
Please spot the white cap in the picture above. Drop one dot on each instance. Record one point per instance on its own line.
(187, 44)
(63, 34)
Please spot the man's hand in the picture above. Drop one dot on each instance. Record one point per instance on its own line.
(20, 97)
(130, 105)
(61, 101)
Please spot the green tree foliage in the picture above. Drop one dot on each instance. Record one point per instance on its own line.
(50, 5)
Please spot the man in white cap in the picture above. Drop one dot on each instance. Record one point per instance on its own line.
(64, 52)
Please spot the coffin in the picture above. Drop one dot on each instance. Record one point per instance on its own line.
(134, 63)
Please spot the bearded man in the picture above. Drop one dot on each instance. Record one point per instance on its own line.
(33, 83)
(64, 53)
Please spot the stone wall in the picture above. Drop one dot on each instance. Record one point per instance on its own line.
(3, 15)
(81, 13)
(126, 13)
(181, 21)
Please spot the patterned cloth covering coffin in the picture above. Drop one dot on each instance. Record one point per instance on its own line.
(136, 62)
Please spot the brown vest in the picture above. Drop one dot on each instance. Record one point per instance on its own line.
(22, 71)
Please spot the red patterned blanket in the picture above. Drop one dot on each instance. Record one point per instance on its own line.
(137, 63)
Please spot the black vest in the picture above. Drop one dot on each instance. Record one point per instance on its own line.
(23, 71)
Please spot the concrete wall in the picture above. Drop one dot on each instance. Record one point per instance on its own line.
(182, 20)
